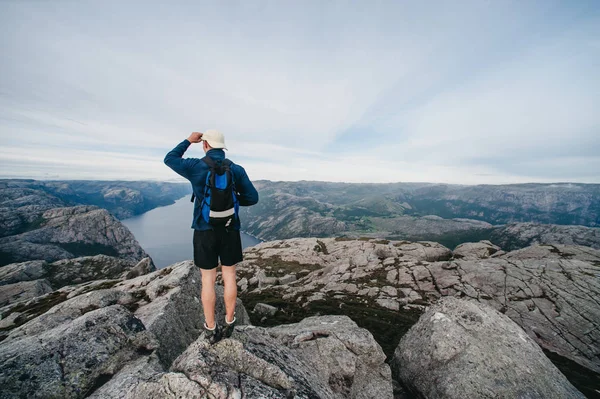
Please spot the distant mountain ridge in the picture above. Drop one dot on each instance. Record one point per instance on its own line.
(22, 202)
(450, 214)
(53, 220)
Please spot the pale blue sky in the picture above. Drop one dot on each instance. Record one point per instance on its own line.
(458, 92)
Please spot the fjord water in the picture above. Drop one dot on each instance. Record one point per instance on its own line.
(166, 235)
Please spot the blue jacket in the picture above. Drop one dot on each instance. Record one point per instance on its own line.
(195, 170)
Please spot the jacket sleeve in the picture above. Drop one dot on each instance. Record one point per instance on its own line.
(175, 161)
(247, 194)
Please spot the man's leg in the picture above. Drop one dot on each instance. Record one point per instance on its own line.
(206, 258)
(208, 295)
(230, 294)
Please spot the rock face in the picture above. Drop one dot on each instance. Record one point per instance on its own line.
(464, 349)
(520, 235)
(550, 291)
(343, 356)
(23, 290)
(22, 281)
(63, 233)
(322, 357)
(23, 200)
(67, 343)
(142, 337)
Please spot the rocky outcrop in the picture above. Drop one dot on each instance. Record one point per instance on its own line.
(550, 291)
(342, 356)
(464, 349)
(71, 232)
(69, 342)
(520, 235)
(69, 360)
(321, 357)
(22, 281)
(21, 208)
(142, 338)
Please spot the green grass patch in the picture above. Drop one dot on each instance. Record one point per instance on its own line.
(275, 264)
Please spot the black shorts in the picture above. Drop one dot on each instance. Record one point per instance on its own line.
(210, 245)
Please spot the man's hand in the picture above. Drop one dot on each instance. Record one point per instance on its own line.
(195, 137)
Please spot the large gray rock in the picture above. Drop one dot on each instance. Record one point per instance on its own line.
(463, 349)
(71, 232)
(170, 306)
(78, 322)
(342, 355)
(67, 361)
(272, 363)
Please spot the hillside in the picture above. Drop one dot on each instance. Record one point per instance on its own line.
(23, 201)
(449, 214)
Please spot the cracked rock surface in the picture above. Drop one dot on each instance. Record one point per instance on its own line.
(321, 357)
(26, 280)
(67, 343)
(551, 291)
(465, 349)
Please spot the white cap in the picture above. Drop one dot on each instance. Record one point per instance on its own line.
(214, 138)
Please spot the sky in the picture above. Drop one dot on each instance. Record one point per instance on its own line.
(465, 92)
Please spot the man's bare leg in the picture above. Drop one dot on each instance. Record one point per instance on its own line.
(230, 291)
(209, 298)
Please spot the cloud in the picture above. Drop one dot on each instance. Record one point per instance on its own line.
(470, 92)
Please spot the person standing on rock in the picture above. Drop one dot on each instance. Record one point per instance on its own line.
(216, 231)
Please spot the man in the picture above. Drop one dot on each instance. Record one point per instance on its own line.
(214, 242)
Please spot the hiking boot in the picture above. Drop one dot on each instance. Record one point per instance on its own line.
(228, 328)
(213, 335)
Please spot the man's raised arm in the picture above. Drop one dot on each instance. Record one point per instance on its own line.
(174, 158)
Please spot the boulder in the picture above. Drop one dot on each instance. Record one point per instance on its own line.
(475, 250)
(464, 349)
(89, 268)
(343, 356)
(69, 360)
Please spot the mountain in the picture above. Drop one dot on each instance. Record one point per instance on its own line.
(23, 201)
(449, 214)
(70, 232)
(53, 220)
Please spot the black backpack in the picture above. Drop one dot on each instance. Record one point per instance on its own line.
(220, 204)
